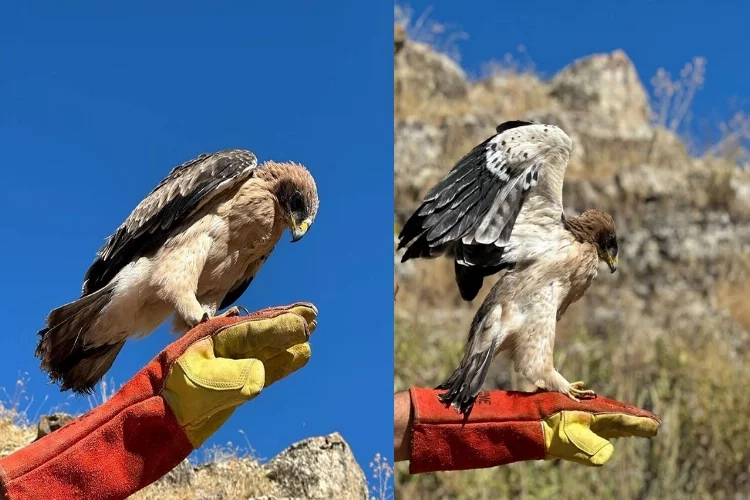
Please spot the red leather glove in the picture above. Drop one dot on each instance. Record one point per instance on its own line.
(506, 427)
(148, 426)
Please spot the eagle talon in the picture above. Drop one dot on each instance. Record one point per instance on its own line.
(232, 312)
(576, 392)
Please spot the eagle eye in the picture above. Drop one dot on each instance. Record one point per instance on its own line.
(296, 204)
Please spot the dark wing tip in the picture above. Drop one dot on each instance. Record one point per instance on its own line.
(469, 281)
(512, 124)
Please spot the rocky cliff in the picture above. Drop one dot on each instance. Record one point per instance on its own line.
(668, 331)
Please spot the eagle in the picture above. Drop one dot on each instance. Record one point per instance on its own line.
(500, 209)
(188, 249)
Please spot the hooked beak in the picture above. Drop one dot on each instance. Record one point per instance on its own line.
(299, 231)
(612, 262)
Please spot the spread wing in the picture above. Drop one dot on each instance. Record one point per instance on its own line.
(242, 285)
(470, 213)
(186, 189)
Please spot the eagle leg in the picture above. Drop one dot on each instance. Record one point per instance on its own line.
(576, 392)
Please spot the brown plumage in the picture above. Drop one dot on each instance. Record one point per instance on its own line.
(500, 209)
(189, 249)
(520, 311)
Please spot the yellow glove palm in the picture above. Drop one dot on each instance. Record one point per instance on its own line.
(218, 373)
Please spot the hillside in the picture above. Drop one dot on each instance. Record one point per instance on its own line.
(669, 331)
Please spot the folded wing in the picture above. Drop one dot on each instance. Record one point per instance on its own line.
(187, 188)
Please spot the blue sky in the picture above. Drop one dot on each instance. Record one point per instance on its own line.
(99, 103)
(654, 34)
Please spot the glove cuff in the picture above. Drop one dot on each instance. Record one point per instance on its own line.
(443, 440)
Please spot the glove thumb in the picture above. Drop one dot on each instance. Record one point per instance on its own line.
(568, 436)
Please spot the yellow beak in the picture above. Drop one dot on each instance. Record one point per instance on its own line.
(612, 263)
(299, 231)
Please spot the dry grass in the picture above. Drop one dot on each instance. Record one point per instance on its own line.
(733, 291)
(409, 105)
(381, 487)
(443, 38)
(12, 435)
(672, 101)
(509, 93)
(701, 450)
(234, 478)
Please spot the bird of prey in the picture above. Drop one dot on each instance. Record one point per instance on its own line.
(500, 209)
(189, 249)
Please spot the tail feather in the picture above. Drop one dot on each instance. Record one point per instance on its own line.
(63, 348)
(466, 381)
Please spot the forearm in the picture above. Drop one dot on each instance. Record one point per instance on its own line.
(402, 423)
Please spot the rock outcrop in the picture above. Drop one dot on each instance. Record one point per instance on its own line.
(50, 423)
(322, 467)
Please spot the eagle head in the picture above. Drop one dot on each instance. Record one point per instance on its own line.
(297, 195)
(605, 237)
(598, 228)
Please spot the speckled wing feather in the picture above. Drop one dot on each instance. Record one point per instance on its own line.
(469, 214)
(186, 189)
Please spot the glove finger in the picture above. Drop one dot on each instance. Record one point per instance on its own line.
(593, 449)
(567, 435)
(284, 364)
(305, 309)
(309, 313)
(247, 339)
(611, 425)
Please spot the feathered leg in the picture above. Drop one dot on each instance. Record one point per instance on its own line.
(533, 358)
(176, 275)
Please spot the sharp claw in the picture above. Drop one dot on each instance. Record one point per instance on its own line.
(243, 308)
(576, 391)
(205, 317)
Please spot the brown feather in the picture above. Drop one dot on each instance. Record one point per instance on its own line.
(209, 256)
(592, 226)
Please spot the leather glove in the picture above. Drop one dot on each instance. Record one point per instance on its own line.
(220, 372)
(169, 408)
(506, 427)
